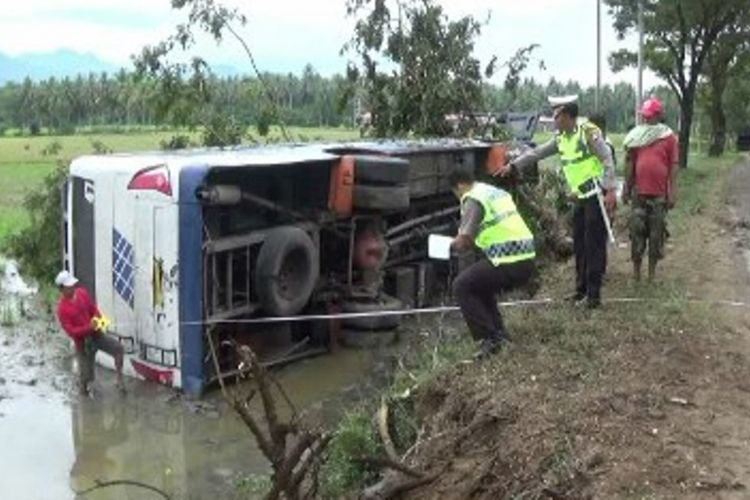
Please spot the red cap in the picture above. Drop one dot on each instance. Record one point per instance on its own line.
(652, 108)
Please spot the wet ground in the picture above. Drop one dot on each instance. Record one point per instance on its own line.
(54, 442)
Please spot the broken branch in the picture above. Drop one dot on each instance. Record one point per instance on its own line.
(122, 482)
(385, 436)
(383, 462)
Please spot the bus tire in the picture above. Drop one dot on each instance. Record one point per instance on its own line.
(380, 170)
(382, 303)
(286, 270)
(381, 197)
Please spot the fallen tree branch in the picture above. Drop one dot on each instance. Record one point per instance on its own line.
(122, 482)
(312, 457)
(291, 465)
(385, 436)
(384, 462)
(554, 495)
(406, 486)
(417, 443)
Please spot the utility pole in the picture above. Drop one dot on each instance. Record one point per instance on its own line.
(639, 96)
(598, 53)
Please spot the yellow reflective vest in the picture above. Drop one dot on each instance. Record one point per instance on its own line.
(503, 235)
(582, 169)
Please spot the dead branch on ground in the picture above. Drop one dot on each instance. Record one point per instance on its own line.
(293, 451)
(399, 478)
(122, 482)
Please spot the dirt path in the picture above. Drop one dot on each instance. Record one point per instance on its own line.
(730, 427)
(644, 401)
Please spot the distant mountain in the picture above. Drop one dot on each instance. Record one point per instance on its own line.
(69, 63)
(59, 64)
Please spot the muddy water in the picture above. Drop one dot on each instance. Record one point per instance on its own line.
(54, 442)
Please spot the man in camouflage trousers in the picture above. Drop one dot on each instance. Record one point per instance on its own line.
(651, 175)
(648, 229)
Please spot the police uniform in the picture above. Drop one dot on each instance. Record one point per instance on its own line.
(587, 167)
(508, 246)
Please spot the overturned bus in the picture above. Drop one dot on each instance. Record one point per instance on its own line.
(175, 245)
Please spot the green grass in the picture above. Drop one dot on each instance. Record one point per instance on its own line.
(15, 150)
(564, 360)
(355, 437)
(557, 344)
(701, 176)
(25, 160)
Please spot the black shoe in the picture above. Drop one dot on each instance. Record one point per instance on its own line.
(592, 303)
(575, 297)
(490, 346)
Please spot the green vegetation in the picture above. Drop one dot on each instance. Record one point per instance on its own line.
(355, 438)
(252, 486)
(558, 350)
(703, 40)
(26, 161)
(38, 245)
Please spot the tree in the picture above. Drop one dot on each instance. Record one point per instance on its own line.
(417, 68)
(725, 62)
(678, 37)
(737, 99)
(37, 245)
(185, 86)
(428, 70)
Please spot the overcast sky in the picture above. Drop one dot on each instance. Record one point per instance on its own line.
(286, 34)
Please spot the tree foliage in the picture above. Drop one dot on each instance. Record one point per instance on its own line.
(120, 100)
(679, 36)
(38, 246)
(737, 99)
(725, 64)
(117, 102)
(182, 90)
(416, 66)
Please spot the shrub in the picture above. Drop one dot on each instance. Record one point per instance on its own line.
(100, 148)
(354, 438)
(223, 131)
(176, 142)
(38, 246)
(52, 149)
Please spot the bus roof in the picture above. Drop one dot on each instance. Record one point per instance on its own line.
(266, 155)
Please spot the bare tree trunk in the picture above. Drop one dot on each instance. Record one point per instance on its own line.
(686, 122)
(718, 131)
(718, 83)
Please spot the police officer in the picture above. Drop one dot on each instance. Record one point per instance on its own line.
(588, 168)
(489, 220)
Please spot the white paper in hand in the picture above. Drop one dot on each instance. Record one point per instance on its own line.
(439, 247)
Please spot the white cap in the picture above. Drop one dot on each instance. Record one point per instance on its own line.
(556, 101)
(64, 278)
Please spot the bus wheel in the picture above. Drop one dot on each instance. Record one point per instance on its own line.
(286, 271)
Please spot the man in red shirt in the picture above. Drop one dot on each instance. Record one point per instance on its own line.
(651, 183)
(77, 313)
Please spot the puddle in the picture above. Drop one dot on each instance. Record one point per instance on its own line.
(55, 443)
(54, 440)
(37, 448)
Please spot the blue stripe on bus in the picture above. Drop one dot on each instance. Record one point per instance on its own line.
(191, 280)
